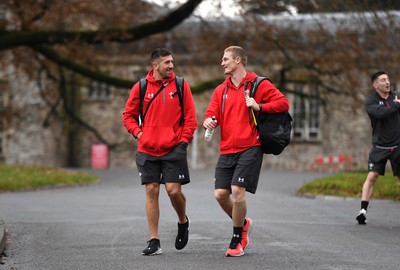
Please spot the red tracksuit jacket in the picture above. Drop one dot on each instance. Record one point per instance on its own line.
(161, 129)
(228, 105)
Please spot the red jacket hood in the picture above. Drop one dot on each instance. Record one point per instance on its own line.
(150, 77)
(250, 77)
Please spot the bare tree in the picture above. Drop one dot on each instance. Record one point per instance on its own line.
(48, 27)
(53, 40)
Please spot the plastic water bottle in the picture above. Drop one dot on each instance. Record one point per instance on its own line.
(209, 132)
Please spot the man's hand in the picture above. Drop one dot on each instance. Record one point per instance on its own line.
(209, 123)
(251, 103)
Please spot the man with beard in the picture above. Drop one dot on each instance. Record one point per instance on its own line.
(163, 137)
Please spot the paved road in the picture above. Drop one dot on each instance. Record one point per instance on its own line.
(104, 227)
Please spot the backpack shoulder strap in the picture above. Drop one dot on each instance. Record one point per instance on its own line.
(255, 84)
(142, 87)
(180, 89)
(179, 83)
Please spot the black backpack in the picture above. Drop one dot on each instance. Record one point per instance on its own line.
(143, 87)
(274, 128)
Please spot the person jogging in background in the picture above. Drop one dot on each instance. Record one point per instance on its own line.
(383, 109)
(239, 165)
(162, 141)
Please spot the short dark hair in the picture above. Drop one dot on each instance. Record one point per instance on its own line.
(376, 75)
(160, 52)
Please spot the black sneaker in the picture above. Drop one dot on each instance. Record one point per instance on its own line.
(154, 247)
(183, 235)
(362, 217)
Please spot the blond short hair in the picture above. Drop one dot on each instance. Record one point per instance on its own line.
(238, 52)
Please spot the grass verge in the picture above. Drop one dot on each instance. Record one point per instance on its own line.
(350, 185)
(19, 178)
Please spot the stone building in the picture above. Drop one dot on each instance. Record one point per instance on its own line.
(324, 137)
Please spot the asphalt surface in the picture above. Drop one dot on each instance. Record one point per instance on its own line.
(104, 226)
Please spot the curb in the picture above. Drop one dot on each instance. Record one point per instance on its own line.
(2, 237)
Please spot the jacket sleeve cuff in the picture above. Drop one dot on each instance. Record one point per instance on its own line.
(136, 132)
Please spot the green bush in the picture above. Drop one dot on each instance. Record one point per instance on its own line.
(350, 185)
(17, 178)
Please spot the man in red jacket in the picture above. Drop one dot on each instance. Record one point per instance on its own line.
(162, 142)
(239, 164)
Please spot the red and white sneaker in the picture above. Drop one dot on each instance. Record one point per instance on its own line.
(234, 250)
(246, 233)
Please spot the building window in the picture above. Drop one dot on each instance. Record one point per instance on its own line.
(306, 114)
(393, 86)
(99, 91)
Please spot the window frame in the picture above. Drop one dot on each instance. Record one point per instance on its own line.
(307, 112)
(98, 91)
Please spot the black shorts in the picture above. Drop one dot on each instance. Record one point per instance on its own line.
(171, 168)
(241, 169)
(378, 157)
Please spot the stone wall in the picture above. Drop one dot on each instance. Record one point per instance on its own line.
(26, 140)
(345, 130)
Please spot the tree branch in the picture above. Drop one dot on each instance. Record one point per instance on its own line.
(83, 70)
(105, 78)
(69, 111)
(11, 39)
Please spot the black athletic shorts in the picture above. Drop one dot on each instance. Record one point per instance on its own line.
(172, 167)
(241, 169)
(378, 157)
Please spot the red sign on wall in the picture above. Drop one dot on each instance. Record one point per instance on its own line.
(99, 156)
